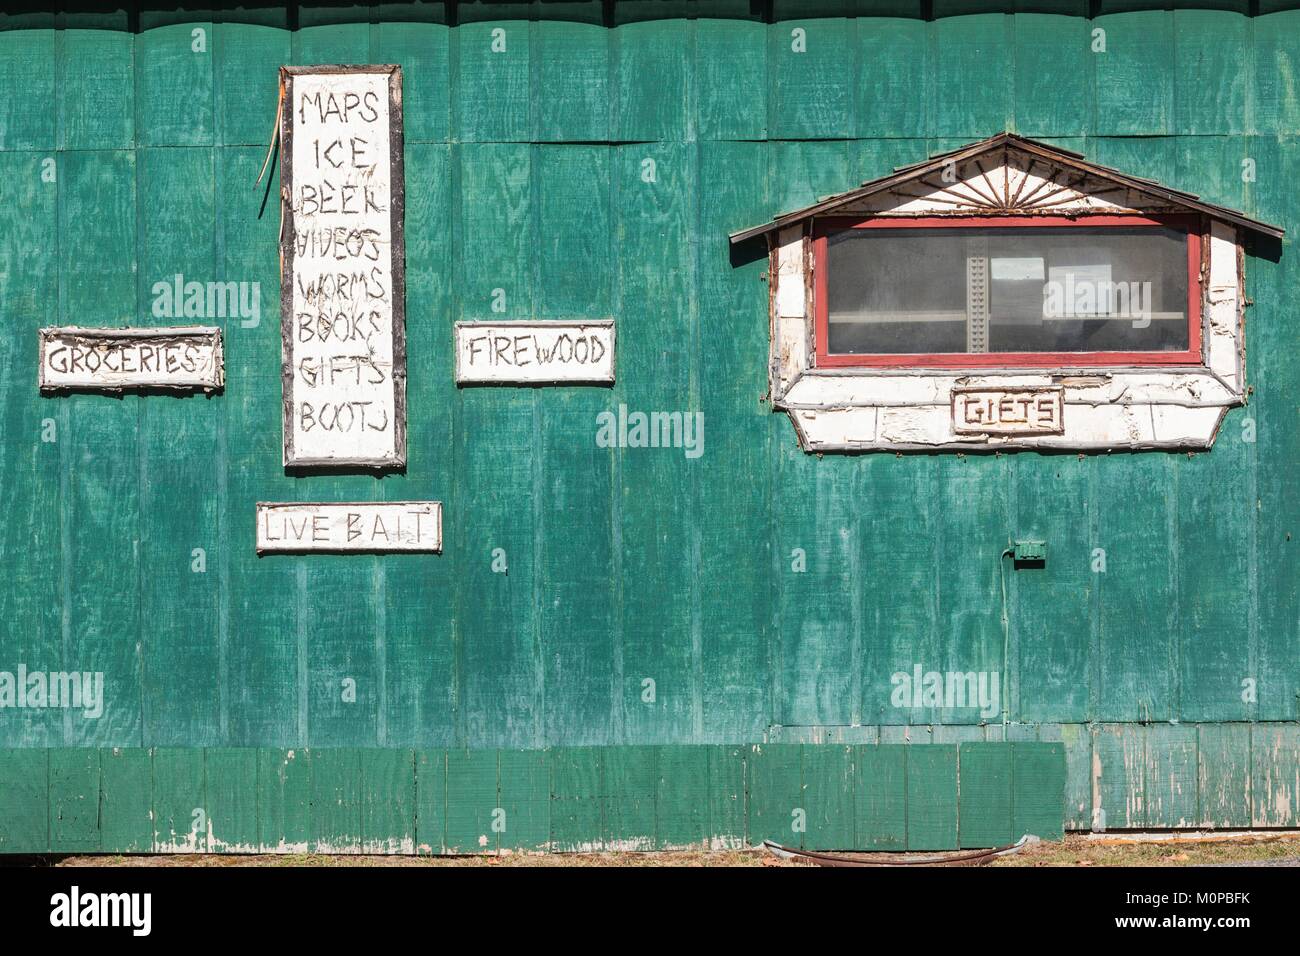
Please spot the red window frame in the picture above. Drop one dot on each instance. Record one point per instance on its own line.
(1192, 225)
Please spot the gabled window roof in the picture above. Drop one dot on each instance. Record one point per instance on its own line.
(1090, 178)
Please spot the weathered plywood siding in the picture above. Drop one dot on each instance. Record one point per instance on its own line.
(593, 168)
(433, 800)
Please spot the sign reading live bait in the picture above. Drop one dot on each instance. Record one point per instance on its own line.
(116, 359)
(534, 352)
(342, 267)
(298, 526)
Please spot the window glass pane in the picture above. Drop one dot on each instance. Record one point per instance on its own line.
(1027, 289)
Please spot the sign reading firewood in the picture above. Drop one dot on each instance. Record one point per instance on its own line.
(1014, 411)
(342, 267)
(349, 526)
(114, 360)
(534, 353)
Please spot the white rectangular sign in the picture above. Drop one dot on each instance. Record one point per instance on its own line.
(187, 357)
(374, 526)
(531, 353)
(1008, 411)
(343, 264)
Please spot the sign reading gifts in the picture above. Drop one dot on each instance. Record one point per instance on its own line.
(343, 265)
(1008, 411)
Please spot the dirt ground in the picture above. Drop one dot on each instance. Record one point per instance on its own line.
(1280, 850)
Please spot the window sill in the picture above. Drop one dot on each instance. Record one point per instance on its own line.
(907, 409)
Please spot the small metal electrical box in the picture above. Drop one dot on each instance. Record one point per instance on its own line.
(1035, 551)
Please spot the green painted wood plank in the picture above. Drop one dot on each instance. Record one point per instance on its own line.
(572, 67)
(817, 606)
(1270, 272)
(654, 183)
(492, 88)
(231, 799)
(1052, 615)
(472, 799)
(971, 101)
(1223, 776)
(98, 90)
(263, 704)
(727, 796)
(732, 494)
(775, 803)
(1273, 97)
(880, 797)
(1053, 93)
(629, 782)
(1118, 772)
(430, 800)
(576, 591)
(1212, 167)
(1170, 776)
(577, 806)
(246, 62)
(932, 797)
(494, 520)
(1278, 684)
(683, 790)
(33, 442)
(1134, 532)
(964, 733)
(651, 110)
(97, 246)
(29, 60)
(968, 580)
(1214, 513)
(284, 800)
(829, 780)
(730, 80)
(1038, 773)
(895, 73)
(24, 800)
(1135, 76)
(324, 41)
(126, 802)
(423, 52)
(180, 547)
(525, 800)
(1210, 49)
(173, 70)
(337, 789)
(179, 801)
(985, 800)
(1077, 742)
(388, 800)
(811, 68)
(74, 800)
(1275, 775)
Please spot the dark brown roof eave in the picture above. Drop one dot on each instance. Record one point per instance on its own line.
(1076, 160)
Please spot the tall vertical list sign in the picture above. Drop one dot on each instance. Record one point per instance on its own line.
(342, 266)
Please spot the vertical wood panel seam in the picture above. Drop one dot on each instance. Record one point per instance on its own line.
(141, 419)
(223, 419)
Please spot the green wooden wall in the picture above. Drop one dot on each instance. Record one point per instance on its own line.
(524, 173)
(638, 797)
